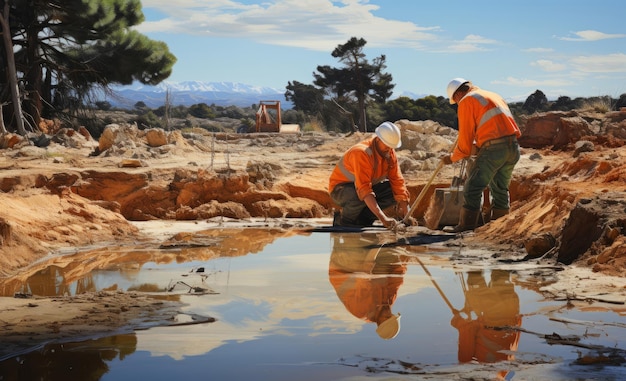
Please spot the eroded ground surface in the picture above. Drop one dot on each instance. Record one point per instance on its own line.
(568, 197)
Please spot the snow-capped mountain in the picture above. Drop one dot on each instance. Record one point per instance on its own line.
(194, 92)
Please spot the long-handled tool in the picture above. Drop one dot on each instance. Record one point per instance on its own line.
(425, 188)
(445, 299)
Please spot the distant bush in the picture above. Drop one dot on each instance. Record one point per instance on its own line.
(598, 104)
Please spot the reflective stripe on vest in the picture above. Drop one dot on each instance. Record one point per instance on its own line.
(350, 176)
(497, 110)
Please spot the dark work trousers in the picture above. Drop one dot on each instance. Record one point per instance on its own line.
(493, 168)
(355, 212)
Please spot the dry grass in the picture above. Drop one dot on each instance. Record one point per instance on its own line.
(598, 104)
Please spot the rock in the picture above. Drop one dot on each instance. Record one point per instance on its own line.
(588, 222)
(107, 139)
(39, 140)
(539, 244)
(583, 146)
(10, 140)
(556, 129)
(156, 137)
(131, 163)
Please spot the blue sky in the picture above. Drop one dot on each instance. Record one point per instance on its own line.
(574, 48)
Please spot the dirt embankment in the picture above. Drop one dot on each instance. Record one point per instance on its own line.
(568, 193)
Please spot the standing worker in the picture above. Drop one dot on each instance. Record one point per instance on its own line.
(485, 122)
(368, 180)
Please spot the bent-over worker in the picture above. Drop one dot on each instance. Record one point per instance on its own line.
(366, 278)
(368, 180)
(486, 122)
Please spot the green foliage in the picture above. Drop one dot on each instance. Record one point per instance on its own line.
(66, 50)
(536, 102)
(103, 105)
(201, 110)
(148, 120)
(621, 102)
(433, 108)
(234, 112)
(563, 103)
(358, 78)
(306, 98)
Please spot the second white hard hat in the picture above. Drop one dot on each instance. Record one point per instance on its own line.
(453, 86)
(389, 133)
(389, 328)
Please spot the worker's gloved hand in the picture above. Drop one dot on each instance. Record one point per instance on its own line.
(410, 221)
(447, 159)
(389, 223)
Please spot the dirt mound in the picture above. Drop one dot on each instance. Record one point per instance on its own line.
(93, 188)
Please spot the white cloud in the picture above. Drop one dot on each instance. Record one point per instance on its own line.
(611, 63)
(525, 82)
(312, 24)
(547, 65)
(538, 50)
(592, 35)
(471, 43)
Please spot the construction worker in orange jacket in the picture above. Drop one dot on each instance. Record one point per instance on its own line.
(368, 180)
(489, 308)
(486, 123)
(366, 278)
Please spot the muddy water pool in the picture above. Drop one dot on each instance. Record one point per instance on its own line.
(305, 307)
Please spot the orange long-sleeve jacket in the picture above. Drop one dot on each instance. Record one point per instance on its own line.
(363, 166)
(483, 115)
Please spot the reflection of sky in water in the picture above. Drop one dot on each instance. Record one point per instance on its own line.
(279, 317)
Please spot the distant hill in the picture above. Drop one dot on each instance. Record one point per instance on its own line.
(194, 92)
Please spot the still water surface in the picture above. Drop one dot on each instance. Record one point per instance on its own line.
(304, 307)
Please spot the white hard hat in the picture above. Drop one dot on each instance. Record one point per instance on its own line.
(453, 86)
(389, 328)
(389, 133)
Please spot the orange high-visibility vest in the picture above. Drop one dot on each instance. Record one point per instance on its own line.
(364, 167)
(483, 116)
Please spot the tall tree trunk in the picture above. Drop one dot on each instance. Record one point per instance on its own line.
(362, 114)
(3, 128)
(33, 77)
(15, 91)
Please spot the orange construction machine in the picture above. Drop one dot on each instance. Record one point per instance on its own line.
(268, 117)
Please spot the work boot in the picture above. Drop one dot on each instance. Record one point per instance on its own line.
(467, 221)
(497, 213)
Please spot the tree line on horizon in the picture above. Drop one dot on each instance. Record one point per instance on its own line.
(59, 53)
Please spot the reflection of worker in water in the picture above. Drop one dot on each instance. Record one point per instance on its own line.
(488, 306)
(366, 278)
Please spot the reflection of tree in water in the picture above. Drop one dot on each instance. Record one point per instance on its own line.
(366, 277)
(69, 361)
(488, 306)
(51, 282)
(55, 280)
(51, 279)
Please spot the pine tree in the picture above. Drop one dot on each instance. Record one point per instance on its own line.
(358, 77)
(66, 49)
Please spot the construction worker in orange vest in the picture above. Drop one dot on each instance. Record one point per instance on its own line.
(366, 278)
(488, 334)
(486, 125)
(368, 180)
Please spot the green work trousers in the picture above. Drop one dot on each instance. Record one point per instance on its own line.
(354, 211)
(492, 168)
